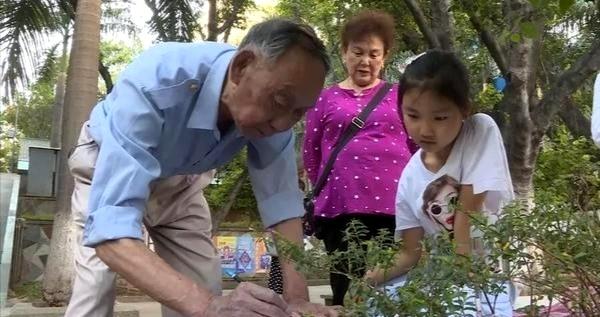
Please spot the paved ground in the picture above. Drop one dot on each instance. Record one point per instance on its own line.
(152, 309)
(127, 309)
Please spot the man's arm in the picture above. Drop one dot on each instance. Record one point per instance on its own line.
(120, 189)
(121, 186)
(295, 288)
(294, 283)
(144, 269)
(273, 172)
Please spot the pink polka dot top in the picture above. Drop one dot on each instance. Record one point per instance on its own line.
(365, 175)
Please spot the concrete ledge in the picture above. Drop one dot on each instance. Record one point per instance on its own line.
(9, 194)
(128, 306)
(229, 283)
(28, 310)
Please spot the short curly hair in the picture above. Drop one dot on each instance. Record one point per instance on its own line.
(369, 22)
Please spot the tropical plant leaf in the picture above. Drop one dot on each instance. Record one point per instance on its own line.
(24, 26)
(175, 20)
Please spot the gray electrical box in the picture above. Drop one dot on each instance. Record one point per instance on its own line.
(43, 167)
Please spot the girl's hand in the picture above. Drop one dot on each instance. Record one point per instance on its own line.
(372, 278)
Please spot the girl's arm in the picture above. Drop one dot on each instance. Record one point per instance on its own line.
(469, 204)
(404, 261)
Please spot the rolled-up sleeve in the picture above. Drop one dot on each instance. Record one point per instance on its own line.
(125, 166)
(273, 173)
(405, 217)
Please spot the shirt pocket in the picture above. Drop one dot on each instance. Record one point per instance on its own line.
(170, 96)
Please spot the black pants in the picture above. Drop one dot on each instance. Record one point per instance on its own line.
(333, 233)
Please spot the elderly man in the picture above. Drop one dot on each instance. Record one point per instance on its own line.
(145, 155)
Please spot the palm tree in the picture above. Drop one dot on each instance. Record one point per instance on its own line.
(27, 25)
(80, 96)
(24, 27)
(178, 20)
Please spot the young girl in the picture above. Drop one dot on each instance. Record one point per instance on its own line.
(460, 169)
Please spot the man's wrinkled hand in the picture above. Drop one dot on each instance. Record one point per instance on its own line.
(303, 308)
(247, 300)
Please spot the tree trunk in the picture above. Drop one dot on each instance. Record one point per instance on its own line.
(105, 74)
(442, 24)
(59, 96)
(520, 128)
(57, 111)
(488, 39)
(212, 21)
(421, 21)
(80, 96)
(219, 216)
(565, 84)
(226, 35)
(577, 123)
(411, 40)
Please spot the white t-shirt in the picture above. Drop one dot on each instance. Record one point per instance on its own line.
(477, 158)
(596, 112)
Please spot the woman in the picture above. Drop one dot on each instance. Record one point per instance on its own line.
(362, 183)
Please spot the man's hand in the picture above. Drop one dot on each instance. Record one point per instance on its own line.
(247, 300)
(302, 308)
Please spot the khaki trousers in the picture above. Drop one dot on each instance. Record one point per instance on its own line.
(177, 218)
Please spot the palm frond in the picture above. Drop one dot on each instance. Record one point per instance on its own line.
(231, 13)
(116, 18)
(175, 20)
(24, 25)
(50, 66)
(67, 7)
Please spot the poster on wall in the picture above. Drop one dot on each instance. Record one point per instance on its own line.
(226, 245)
(245, 255)
(263, 259)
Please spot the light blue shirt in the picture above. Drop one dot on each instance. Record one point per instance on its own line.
(160, 120)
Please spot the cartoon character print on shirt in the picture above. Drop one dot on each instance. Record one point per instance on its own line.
(440, 199)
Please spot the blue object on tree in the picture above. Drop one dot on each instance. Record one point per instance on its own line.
(499, 83)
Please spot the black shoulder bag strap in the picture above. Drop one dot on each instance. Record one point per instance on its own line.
(358, 123)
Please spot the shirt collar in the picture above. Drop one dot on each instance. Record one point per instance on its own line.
(206, 109)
